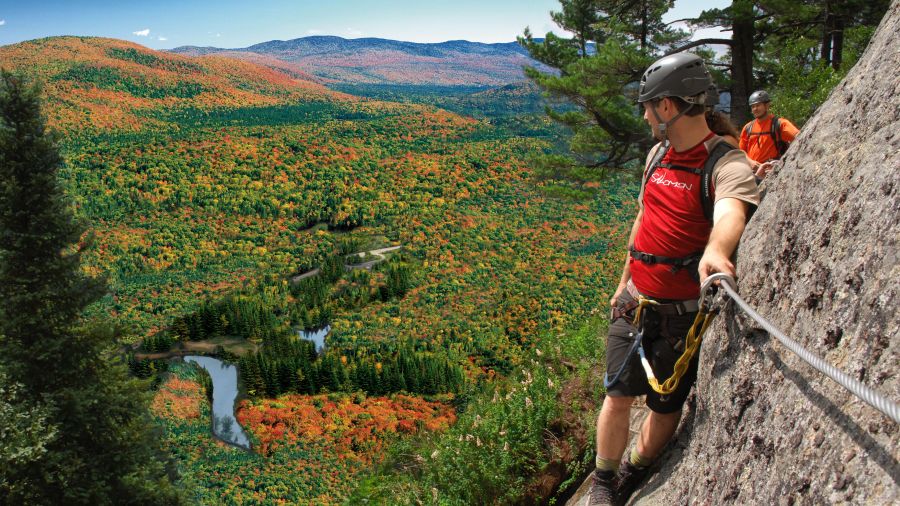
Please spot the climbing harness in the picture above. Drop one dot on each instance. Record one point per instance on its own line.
(857, 388)
(709, 303)
(705, 315)
(642, 302)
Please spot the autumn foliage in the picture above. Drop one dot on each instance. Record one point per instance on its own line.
(305, 448)
(207, 179)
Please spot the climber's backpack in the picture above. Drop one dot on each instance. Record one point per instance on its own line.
(705, 173)
(706, 201)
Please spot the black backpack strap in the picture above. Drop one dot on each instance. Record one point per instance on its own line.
(707, 197)
(780, 146)
(654, 163)
(678, 262)
(690, 262)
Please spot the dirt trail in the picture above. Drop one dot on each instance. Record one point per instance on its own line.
(365, 265)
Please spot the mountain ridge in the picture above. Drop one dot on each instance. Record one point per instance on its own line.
(362, 41)
(104, 82)
(371, 60)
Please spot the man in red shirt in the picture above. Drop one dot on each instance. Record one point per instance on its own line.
(681, 236)
(765, 138)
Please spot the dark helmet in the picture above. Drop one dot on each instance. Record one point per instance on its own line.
(712, 96)
(682, 75)
(759, 96)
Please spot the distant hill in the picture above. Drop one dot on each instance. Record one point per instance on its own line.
(335, 60)
(100, 82)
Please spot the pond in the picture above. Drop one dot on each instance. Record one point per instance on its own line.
(224, 393)
(317, 336)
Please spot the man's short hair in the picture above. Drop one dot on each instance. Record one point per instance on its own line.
(681, 105)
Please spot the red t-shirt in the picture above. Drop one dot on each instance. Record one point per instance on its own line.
(673, 225)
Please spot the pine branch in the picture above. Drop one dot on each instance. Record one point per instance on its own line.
(701, 42)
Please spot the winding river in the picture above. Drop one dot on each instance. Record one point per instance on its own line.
(225, 389)
(224, 393)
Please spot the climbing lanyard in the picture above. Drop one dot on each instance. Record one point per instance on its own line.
(691, 344)
(704, 318)
(635, 345)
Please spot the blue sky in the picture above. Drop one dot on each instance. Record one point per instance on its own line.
(163, 24)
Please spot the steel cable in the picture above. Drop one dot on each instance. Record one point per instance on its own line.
(857, 388)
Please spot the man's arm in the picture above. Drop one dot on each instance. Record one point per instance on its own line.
(729, 219)
(626, 270)
(745, 147)
(745, 139)
(788, 131)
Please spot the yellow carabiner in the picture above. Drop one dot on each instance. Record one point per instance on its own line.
(642, 303)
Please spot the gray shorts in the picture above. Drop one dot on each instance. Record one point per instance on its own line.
(663, 343)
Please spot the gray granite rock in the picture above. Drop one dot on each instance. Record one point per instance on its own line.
(820, 259)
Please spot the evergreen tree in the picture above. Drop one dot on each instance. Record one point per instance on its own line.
(106, 451)
(25, 435)
(179, 329)
(797, 37)
(286, 375)
(612, 44)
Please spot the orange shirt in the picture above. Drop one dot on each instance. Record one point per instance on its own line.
(759, 144)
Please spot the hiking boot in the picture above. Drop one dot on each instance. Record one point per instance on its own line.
(630, 476)
(602, 491)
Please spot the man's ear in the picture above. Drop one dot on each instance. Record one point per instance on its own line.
(666, 104)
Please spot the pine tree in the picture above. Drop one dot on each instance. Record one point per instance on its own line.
(180, 329)
(612, 44)
(794, 37)
(286, 375)
(106, 451)
(26, 432)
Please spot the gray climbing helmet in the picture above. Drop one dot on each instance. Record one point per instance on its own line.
(712, 96)
(682, 75)
(759, 96)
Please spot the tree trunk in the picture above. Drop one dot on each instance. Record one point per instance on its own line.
(743, 31)
(837, 42)
(827, 30)
(644, 25)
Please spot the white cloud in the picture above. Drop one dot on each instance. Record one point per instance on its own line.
(218, 35)
(162, 38)
(2, 22)
(142, 33)
(353, 32)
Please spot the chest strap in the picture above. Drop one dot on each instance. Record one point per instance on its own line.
(675, 262)
(707, 193)
(692, 170)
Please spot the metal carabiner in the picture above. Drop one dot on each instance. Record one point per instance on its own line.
(706, 298)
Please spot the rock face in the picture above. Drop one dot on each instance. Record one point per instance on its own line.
(820, 259)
